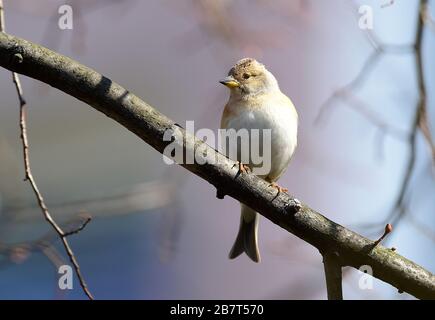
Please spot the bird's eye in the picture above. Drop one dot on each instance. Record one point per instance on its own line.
(246, 76)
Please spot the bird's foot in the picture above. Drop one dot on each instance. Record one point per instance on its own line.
(280, 189)
(243, 168)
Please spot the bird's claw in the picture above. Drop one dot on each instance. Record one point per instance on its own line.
(279, 188)
(243, 168)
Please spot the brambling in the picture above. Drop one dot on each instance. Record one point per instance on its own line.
(256, 102)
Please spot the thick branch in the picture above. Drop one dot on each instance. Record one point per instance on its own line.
(150, 125)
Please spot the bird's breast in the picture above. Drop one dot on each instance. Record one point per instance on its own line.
(278, 116)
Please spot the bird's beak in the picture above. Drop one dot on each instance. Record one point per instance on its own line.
(230, 82)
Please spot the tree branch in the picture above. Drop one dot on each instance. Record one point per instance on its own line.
(333, 276)
(150, 125)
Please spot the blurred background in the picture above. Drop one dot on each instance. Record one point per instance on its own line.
(158, 232)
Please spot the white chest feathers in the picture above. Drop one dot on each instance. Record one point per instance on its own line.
(271, 126)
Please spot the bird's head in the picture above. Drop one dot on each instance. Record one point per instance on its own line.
(248, 77)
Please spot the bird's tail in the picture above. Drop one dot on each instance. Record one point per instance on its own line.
(247, 238)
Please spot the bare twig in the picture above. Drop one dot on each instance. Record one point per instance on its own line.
(28, 172)
(144, 196)
(379, 49)
(365, 111)
(423, 123)
(420, 120)
(346, 91)
(428, 19)
(333, 275)
(38, 195)
(80, 228)
(424, 127)
(388, 229)
(18, 252)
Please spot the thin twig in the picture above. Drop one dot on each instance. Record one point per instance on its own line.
(38, 195)
(387, 231)
(28, 172)
(423, 122)
(19, 252)
(333, 275)
(420, 120)
(80, 228)
(428, 18)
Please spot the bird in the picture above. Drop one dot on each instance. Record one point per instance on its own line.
(256, 102)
